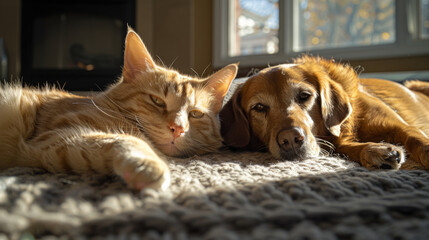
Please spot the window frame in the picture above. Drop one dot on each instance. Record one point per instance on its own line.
(406, 43)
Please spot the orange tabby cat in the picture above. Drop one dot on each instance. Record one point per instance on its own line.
(149, 112)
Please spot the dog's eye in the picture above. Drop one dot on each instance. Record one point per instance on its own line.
(259, 107)
(304, 96)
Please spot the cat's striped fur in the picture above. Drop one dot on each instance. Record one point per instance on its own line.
(126, 130)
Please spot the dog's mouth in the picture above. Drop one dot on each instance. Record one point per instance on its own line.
(301, 153)
(305, 151)
(292, 155)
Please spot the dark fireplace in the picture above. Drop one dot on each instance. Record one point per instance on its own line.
(75, 44)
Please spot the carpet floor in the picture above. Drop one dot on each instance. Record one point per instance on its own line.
(225, 195)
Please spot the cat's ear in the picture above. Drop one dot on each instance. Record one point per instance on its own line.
(219, 83)
(136, 58)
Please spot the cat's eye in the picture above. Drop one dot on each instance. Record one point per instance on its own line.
(158, 101)
(259, 107)
(196, 114)
(304, 96)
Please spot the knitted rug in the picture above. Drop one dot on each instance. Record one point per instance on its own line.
(221, 196)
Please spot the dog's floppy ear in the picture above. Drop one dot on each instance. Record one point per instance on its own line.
(234, 124)
(335, 104)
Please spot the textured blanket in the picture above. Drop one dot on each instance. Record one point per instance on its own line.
(227, 195)
(221, 196)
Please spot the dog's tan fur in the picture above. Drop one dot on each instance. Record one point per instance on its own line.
(319, 103)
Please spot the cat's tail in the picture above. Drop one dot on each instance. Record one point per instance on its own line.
(18, 112)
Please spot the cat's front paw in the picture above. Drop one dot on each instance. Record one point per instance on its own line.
(382, 156)
(141, 171)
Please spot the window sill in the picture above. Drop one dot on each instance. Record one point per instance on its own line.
(399, 76)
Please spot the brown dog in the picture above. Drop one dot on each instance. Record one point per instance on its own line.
(294, 111)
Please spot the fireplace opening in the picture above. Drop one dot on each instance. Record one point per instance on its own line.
(76, 45)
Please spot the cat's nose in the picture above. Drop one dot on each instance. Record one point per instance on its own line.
(176, 130)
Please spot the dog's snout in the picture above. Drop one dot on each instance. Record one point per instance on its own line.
(291, 138)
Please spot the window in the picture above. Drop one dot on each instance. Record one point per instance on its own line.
(333, 24)
(424, 19)
(254, 27)
(261, 32)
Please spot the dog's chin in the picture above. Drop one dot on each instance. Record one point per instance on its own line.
(299, 154)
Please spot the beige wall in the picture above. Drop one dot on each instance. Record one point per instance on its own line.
(10, 21)
(178, 31)
(203, 36)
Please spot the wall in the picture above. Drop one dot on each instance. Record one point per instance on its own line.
(203, 17)
(177, 33)
(10, 25)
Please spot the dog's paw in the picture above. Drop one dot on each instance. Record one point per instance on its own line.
(141, 172)
(382, 156)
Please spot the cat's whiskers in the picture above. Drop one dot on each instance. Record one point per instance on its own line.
(195, 72)
(96, 106)
(162, 62)
(124, 112)
(117, 105)
(122, 118)
(205, 69)
(208, 147)
(186, 152)
(173, 62)
(138, 121)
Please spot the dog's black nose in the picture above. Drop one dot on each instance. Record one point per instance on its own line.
(291, 139)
